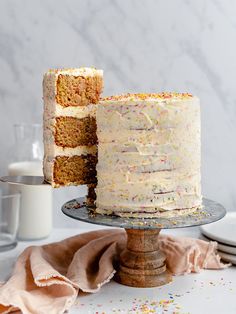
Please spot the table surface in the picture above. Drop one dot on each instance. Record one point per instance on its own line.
(210, 291)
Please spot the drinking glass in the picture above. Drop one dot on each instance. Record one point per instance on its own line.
(9, 220)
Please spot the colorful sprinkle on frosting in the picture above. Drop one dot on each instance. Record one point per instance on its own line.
(81, 70)
(150, 96)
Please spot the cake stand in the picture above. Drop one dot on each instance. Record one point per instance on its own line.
(142, 264)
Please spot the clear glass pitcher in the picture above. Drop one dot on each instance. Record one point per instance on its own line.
(27, 153)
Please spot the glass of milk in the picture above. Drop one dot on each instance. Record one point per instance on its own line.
(35, 219)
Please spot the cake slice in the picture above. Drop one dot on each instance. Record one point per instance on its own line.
(70, 141)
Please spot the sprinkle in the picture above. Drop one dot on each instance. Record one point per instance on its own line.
(151, 96)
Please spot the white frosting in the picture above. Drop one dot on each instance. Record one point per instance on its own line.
(54, 150)
(86, 72)
(148, 154)
(81, 112)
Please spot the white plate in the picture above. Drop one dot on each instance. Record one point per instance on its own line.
(228, 257)
(223, 230)
(222, 247)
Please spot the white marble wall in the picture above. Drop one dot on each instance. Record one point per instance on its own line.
(142, 45)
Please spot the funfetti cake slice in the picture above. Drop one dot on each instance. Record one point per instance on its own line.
(70, 141)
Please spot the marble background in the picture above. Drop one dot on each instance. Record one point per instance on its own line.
(142, 45)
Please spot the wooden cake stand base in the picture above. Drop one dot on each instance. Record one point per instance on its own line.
(142, 264)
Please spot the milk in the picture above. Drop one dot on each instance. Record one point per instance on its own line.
(35, 221)
(25, 168)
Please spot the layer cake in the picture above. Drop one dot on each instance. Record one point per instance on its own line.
(70, 141)
(148, 155)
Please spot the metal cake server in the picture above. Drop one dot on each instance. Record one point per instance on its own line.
(24, 180)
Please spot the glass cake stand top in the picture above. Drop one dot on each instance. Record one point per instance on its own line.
(210, 212)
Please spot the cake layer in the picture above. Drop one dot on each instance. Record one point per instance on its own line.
(73, 132)
(152, 144)
(73, 87)
(73, 170)
(149, 191)
(146, 158)
(163, 202)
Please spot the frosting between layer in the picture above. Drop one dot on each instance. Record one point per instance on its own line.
(54, 150)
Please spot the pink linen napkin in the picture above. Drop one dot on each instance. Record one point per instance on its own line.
(47, 279)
